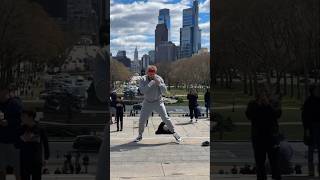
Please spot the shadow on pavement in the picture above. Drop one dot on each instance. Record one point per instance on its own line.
(133, 145)
(183, 124)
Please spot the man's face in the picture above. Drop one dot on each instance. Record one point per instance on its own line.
(151, 73)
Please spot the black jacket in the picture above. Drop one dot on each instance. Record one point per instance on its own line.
(193, 100)
(38, 146)
(207, 99)
(120, 107)
(12, 110)
(311, 112)
(264, 122)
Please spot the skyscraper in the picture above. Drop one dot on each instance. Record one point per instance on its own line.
(145, 61)
(164, 18)
(82, 16)
(166, 52)
(190, 33)
(161, 34)
(135, 54)
(135, 65)
(152, 56)
(122, 57)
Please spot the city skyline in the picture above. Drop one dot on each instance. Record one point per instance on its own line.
(133, 23)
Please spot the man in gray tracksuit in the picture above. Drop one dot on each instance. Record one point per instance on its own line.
(153, 87)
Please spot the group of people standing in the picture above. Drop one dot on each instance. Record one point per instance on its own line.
(23, 142)
(194, 111)
(264, 112)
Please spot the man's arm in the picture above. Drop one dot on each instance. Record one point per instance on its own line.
(144, 87)
(162, 85)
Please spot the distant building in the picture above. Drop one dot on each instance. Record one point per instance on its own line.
(164, 18)
(136, 56)
(122, 54)
(166, 52)
(190, 33)
(178, 52)
(161, 34)
(152, 55)
(145, 61)
(122, 57)
(82, 17)
(135, 66)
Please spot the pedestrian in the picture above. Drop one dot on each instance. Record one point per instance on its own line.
(263, 114)
(10, 120)
(207, 102)
(33, 146)
(113, 98)
(153, 87)
(85, 162)
(120, 109)
(311, 123)
(193, 104)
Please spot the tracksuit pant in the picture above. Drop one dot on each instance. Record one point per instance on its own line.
(147, 108)
(261, 150)
(193, 111)
(119, 120)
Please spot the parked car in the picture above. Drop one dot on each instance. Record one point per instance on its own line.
(87, 143)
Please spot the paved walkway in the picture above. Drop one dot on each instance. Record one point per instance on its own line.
(157, 157)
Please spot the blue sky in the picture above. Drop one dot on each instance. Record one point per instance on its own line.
(133, 23)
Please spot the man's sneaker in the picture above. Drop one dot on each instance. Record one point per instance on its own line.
(190, 120)
(177, 137)
(139, 138)
(196, 120)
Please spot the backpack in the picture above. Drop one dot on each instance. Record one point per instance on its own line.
(163, 129)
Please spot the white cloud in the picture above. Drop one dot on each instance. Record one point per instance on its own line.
(134, 24)
(205, 6)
